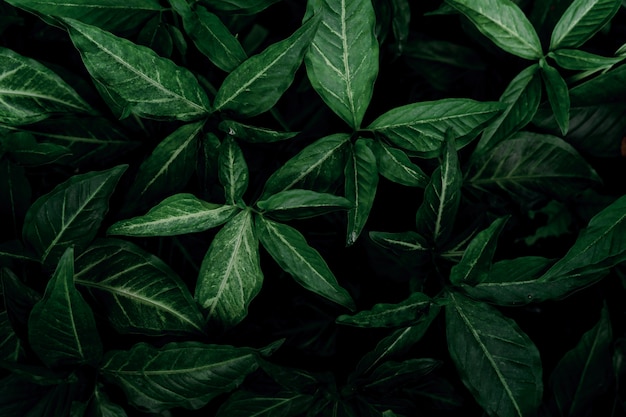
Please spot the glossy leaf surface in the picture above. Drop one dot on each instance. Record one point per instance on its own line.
(580, 21)
(302, 204)
(361, 176)
(558, 96)
(404, 313)
(232, 171)
(254, 134)
(575, 59)
(395, 165)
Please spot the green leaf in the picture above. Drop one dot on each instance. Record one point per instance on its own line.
(70, 214)
(15, 195)
(141, 82)
(136, 291)
(10, 344)
(577, 60)
(30, 92)
(248, 404)
(476, 261)
(26, 151)
(66, 320)
(302, 204)
(392, 375)
(584, 373)
(420, 127)
(530, 166)
(293, 254)
(558, 95)
(230, 275)
(400, 23)
(496, 360)
(253, 134)
(436, 215)
(522, 97)
(257, 84)
(316, 167)
(396, 166)
(361, 174)
(400, 241)
(342, 63)
(504, 23)
(232, 171)
(176, 215)
(101, 406)
(402, 314)
(241, 6)
(185, 374)
(580, 21)
(167, 170)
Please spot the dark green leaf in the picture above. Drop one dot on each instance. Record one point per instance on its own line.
(176, 215)
(14, 249)
(400, 23)
(391, 375)
(302, 204)
(230, 275)
(70, 214)
(19, 299)
(30, 92)
(254, 134)
(155, 35)
(606, 88)
(361, 176)
(141, 82)
(186, 374)
(420, 127)
(401, 241)
(135, 290)
(558, 96)
(404, 313)
(396, 166)
(10, 344)
(248, 404)
(26, 151)
(504, 23)
(21, 397)
(101, 406)
(342, 63)
(232, 171)
(291, 251)
(257, 84)
(15, 195)
(496, 360)
(241, 6)
(66, 320)
(574, 59)
(580, 21)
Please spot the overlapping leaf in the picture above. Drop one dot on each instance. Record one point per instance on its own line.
(396, 166)
(558, 96)
(580, 21)
(247, 404)
(575, 59)
(404, 313)
(361, 176)
(302, 204)
(241, 6)
(232, 171)
(254, 134)
(15, 194)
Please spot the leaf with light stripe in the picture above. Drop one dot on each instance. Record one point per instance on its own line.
(232, 171)
(580, 21)
(361, 181)
(404, 313)
(342, 63)
(558, 95)
(230, 275)
(301, 204)
(395, 165)
(284, 404)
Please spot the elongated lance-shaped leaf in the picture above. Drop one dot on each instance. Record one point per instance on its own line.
(435, 217)
(395, 165)
(404, 313)
(166, 170)
(30, 92)
(316, 167)
(580, 21)
(143, 83)
(176, 215)
(185, 374)
(70, 214)
(137, 291)
(248, 404)
(496, 360)
(294, 255)
(558, 95)
(257, 84)
(342, 63)
(26, 151)
(584, 373)
(420, 127)
(15, 195)
(522, 97)
(302, 204)
(400, 241)
(504, 23)
(254, 134)
(241, 6)
(10, 344)
(476, 261)
(230, 275)
(361, 181)
(66, 320)
(232, 171)
(577, 60)
(392, 375)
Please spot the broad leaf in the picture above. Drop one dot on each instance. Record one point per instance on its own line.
(404, 313)
(66, 320)
(342, 63)
(496, 360)
(420, 127)
(435, 217)
(185, 374)
(142, 83)
(580, 21)
(317, 167)
(230, 275)
(504, 23)
(257, 84)
(396, 166)
(361, 181)
(136, 291)
(302, 204)
(70, 214)
(176, 215)
(102, 406)
(30, 92)
(294, 255)
(248, 404)
(574, 59)
(232, 171)
(253, 134)
(558, 95)
(19, 299)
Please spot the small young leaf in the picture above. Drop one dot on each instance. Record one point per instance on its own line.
(361, 174)
(253, 134)
(284, 404)
(577, 60)
(66, 320)
(70, 214)
(176, 215)
(291, 251)
(230, 275)
(558, 96)
(257, 84)
(232, 171)
(302, 204)
(580, 21)
(504, 23)
(396, 166)
(404, 313)
(185, 374)
(342, 62)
